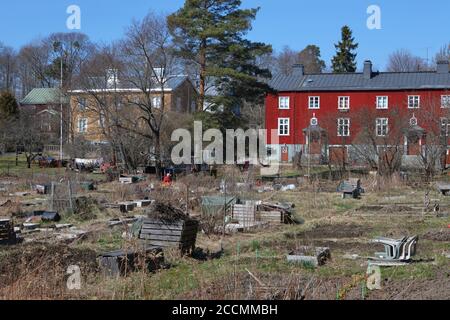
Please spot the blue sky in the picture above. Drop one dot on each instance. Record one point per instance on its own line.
(420, 26)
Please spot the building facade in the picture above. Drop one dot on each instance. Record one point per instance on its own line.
(335, 116)
(95, 111)
(45, 106)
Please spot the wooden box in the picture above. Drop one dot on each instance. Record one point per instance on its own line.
(181, 233)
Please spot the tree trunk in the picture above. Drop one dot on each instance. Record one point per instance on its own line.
(29, 162)
(202, 89)
(158, 163)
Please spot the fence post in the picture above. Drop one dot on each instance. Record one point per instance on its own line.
(70, 196)
(52, 196)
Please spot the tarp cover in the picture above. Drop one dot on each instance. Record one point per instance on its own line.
(213, 205)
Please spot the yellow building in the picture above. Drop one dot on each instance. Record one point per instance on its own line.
(94, 112)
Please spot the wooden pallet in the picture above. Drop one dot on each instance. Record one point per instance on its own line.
(181, 234)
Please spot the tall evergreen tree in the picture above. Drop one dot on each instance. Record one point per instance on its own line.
(345, 58)
(8, 106)
(211, 35)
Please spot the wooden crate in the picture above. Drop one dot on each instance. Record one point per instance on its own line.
(244, 214)
(123, 262)
(181, 234)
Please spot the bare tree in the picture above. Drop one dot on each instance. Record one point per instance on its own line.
(8, 69)
(404, 61)
(435, 121)
(25, 132)
(150, 65)
(286, 59)
(40, 61)
(380, 140)
(443, 54)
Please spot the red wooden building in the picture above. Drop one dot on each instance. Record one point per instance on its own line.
(323, 115)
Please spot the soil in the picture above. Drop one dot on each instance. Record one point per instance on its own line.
(301, 287)
(334, 231)
(443, 235)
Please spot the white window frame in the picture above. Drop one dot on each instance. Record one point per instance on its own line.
(314, 102)
(445, 101)
(284, 123)
(384, 105)
(85, 128)
(156, 102)
(415, 104)
(382, 127)
(344, 103)
(341, 122)
(445, 125)
(284, 102)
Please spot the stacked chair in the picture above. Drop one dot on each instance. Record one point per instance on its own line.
(396, 251)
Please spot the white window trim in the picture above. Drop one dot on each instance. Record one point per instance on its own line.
(387, 102)
(339, 102)
(445, 122)
(288, 103)
(79, 127)
(338, 133)
(312, 106)
(156, 102)
(442, 101)
(286, 124)
(414, 96)
(381, 124)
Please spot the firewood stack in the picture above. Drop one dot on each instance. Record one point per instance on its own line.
(7, 234)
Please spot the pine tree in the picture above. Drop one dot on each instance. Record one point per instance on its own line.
(344, 60)
(210, 34)
(8, 106)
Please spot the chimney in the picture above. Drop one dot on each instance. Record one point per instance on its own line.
(442, 67)
(367, 69)
(298, 70)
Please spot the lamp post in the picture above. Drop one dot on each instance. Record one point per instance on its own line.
(59, 48)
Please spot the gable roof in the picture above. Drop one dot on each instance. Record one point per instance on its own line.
(357, 81)
(42, 96)
(172, 83)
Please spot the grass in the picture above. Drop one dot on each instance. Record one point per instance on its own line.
(8, 168)
(264, 252)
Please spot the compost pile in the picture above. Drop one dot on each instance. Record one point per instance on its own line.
(166, 212)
